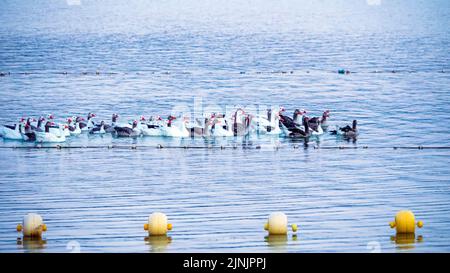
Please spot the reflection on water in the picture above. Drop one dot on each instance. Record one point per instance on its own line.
(158, 243)
(277, 242)
(31, 244)
(405, 241)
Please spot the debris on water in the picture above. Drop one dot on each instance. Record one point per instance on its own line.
(343, 71)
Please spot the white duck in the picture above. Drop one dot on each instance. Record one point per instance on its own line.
(74, 126)
(268, 124)
(56, 129)
(12, 131)
(175, 129)
(151, 128)
(221, 127)
(47, 136)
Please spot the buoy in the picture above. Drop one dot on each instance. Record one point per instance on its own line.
(32, 226)
(157, 224)
(277, 224)
(404, 222)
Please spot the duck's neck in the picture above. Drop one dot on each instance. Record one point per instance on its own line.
(306, 124)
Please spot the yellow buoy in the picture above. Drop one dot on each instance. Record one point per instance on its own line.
(32, 226)
(405, 222)
(277, 224)
(157, 224)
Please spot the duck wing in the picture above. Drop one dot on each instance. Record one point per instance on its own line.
(123, 131)
(31, 136)
(82, 125)
(95, 129)
(288, 122)
(152, 126)
(346, 129)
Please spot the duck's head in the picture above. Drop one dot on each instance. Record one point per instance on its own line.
(354, 124)
(50, 116)
(142, 118)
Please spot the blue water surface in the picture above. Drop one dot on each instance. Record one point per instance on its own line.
(156, 57)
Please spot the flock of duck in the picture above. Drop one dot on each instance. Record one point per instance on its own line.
(238, 123)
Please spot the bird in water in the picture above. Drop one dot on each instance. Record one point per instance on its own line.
(98, 129)
(347, 131)
(126, 131)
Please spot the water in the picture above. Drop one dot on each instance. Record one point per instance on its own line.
(154, 58)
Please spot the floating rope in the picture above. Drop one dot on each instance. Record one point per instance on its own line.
(223, 147)
(284, 72)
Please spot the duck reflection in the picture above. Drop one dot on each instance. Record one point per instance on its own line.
(406, 240)
(158, 243)
(31, 244)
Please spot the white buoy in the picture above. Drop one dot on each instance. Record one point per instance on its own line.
(157, 224)
(32, 225)
(278, 224)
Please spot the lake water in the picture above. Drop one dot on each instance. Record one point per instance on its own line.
(161, 56)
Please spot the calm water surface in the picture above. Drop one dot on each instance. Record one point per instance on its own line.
(157, 57)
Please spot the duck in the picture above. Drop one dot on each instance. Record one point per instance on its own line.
(114, 122)
(201, 128)
(296, 132)
(317, 124)
(221, 127)
(241, 122)
(126, 131)
(74, 126)
(291, 129)
(324, 120)
(268, 124)
(56, 129)
(47, 136)
(11, 132)
(347, 131)
(98, 129)
(298, 116)
(27, 131)
(149, 129)
(89, 124)
(175, 129)
(39, 124)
